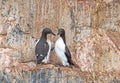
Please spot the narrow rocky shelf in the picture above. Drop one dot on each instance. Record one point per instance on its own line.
(48, 73)
(92, 35)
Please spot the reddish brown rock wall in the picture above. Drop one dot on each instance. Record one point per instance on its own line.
(92, 32)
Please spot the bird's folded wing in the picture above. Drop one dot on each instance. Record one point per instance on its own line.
(68, 55)
(67, 52)
(41, 50)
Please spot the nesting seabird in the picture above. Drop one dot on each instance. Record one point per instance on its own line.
(43, 47)
(62, 50)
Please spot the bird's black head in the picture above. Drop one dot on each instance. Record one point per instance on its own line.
(47, 31)
(61, 32)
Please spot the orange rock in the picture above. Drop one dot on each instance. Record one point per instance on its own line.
(3, 29)
(2, 41)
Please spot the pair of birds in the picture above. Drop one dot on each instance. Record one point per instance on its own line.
(43, 48)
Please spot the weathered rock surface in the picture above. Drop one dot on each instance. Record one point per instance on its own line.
(93, 36)
(30, 73)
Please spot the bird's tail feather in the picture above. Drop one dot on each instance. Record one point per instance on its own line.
(74, 64)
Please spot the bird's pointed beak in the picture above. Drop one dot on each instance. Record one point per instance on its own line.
(58, 33)
(52, 33)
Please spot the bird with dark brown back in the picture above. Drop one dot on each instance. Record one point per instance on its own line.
(43, 46)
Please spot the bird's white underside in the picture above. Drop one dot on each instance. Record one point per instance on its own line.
(60, 50)
(37, 42)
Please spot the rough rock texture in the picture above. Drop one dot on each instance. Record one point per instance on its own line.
(28, 73)
(93, 36)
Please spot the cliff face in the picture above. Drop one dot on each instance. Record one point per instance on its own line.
(92, 33)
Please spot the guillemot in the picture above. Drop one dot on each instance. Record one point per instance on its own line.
(62, 50)
(43, 47)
